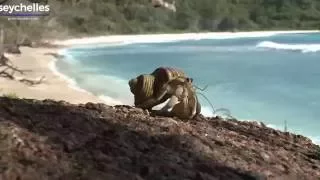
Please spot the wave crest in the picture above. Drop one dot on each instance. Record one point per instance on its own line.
(304, 48)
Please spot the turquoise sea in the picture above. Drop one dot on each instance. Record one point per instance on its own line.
(270, 79)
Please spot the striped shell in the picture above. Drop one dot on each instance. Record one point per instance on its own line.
(144, 87)
(165, 74)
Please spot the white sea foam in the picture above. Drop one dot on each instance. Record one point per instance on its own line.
(72, 83)
(110, 101)
(305, 48)
(315, 140)
(103, 41)
(207, 111)
(158, 38)
(153, 38)
(273, 126)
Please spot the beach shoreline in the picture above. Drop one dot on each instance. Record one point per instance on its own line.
(40, 63)
(113, 40)
(119, 40)
(58, 86)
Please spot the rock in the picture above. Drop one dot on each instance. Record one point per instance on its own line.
(146, 112)
(96, 141)
(136, 110)
(42, 44)
(3, 59)
(55, 55)
(26, 42)
(164, 4)
(97, 107)
(12, 49)
(265, 156)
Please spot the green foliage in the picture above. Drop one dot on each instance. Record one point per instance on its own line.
(11, 95)
(97, 17)
(318, 153)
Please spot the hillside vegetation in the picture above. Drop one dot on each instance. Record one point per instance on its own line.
(96, 17)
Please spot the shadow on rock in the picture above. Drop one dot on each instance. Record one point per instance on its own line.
(51, 140)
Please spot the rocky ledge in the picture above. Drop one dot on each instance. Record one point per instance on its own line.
(58, 140)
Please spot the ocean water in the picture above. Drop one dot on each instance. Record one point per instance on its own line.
(270, 79)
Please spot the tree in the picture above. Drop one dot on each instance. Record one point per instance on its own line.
(96, 17)
(8, 69)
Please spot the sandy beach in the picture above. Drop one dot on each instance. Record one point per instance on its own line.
(53, 86)
(56, 86)
(158, 38)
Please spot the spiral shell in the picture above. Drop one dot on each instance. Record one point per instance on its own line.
(166, 74)
(144, 87)
(189, 105)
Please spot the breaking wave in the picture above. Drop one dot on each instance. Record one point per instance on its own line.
(314, 139)
(304, 48)
(114, 89)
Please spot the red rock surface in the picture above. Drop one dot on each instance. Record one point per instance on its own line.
(56, 140)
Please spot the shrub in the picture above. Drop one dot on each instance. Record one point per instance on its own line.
(11, 95)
